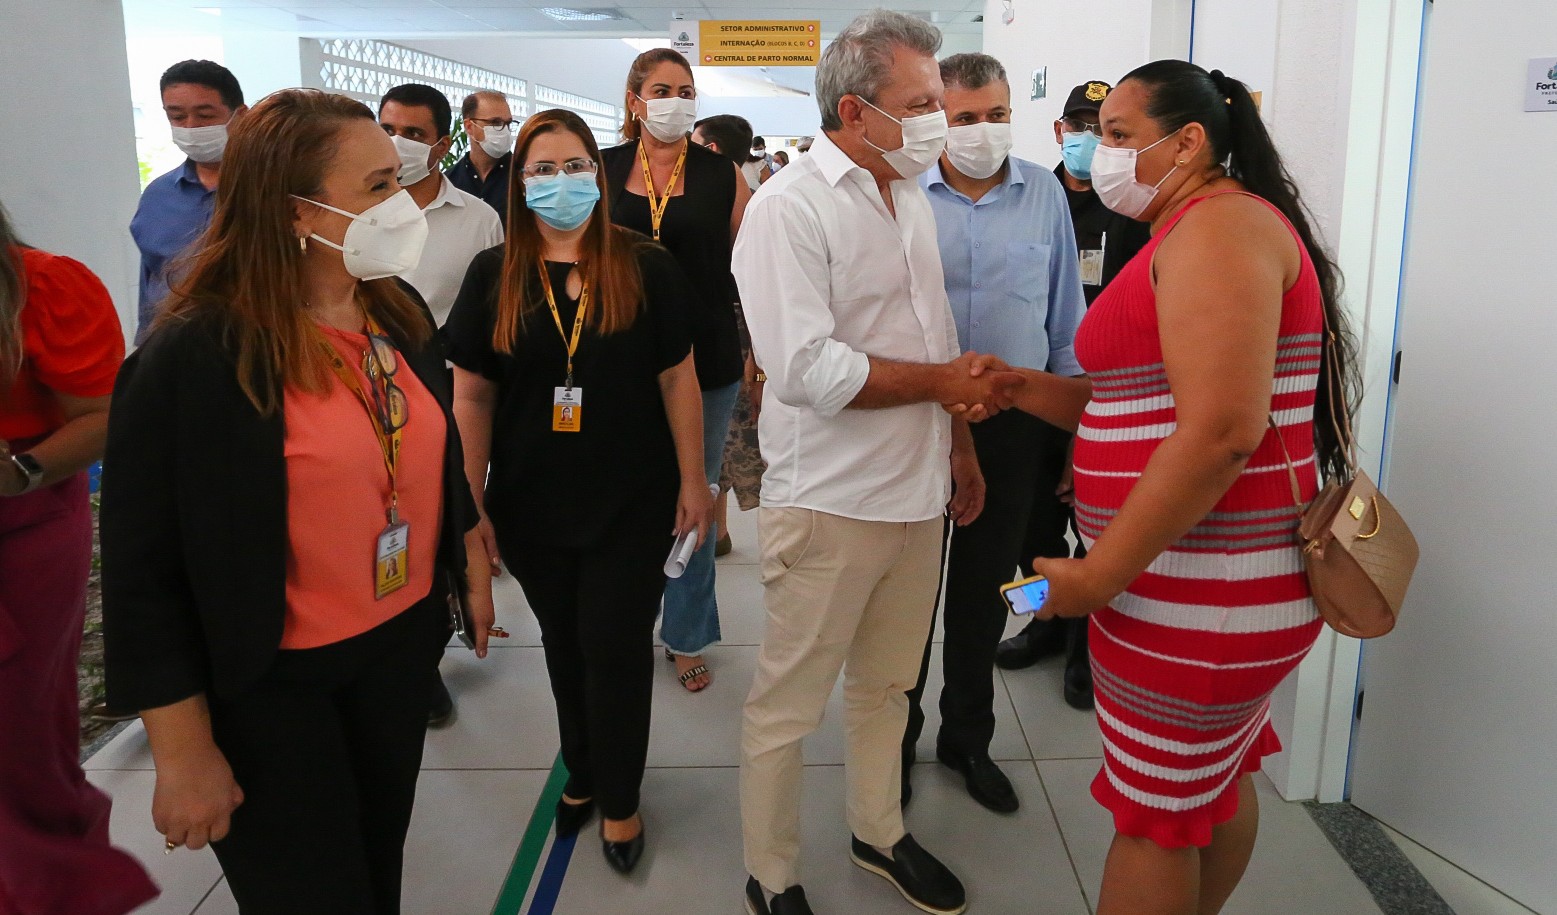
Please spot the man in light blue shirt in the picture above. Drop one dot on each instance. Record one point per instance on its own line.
(201, 99)
(1013, 277)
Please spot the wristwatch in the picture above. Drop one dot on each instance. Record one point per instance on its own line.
(30, 470)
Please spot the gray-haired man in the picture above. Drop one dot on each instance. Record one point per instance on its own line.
(841, 282)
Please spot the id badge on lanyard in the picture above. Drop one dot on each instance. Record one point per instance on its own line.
(567, 403)
(391, 553)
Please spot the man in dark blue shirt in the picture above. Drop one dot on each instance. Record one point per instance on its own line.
(483, 171)
(201, 100)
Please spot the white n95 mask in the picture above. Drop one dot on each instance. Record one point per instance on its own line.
(385, 239)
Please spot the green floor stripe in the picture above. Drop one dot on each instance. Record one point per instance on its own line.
(528, 857)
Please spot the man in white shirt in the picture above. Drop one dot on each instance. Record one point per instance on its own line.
(459, 225)
(840, 277)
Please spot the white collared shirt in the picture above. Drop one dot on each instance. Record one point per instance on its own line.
(459, 226)
(827, 279)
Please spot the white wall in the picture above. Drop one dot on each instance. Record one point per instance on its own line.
(1105, 40)
(1298, 55)
(1458, 736)
(71, 53)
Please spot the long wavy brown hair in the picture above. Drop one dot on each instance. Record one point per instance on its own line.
(248, 270)
(609, 252)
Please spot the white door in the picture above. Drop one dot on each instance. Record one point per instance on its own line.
(1457, 744)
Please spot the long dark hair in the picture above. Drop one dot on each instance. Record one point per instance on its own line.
(609, 252)
(13, 295)
(1181, 93)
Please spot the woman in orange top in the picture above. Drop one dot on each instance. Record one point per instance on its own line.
(284, 515)
(60, 347)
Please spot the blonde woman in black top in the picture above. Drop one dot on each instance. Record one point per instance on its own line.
(689, 199)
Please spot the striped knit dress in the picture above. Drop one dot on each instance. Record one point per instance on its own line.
(1185, 660)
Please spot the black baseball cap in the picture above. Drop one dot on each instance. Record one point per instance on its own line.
(1087, 97)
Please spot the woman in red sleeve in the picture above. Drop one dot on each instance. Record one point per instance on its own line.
(60, 348)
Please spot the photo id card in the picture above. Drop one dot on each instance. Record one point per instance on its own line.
(391, 568)
(1092, 267)
(567, 409)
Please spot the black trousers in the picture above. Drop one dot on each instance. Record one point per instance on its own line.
(1022, 459)
(597, 606)
(327, 748)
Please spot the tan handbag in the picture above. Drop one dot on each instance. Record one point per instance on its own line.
(1357, 550)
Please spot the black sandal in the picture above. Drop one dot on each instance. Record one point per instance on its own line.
(690, 675)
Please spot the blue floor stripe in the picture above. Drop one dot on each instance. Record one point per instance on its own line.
(556, 869)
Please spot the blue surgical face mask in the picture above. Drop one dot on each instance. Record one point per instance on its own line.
(563, 202)
(1077, 149)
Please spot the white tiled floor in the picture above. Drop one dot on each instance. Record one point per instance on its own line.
(483, 775)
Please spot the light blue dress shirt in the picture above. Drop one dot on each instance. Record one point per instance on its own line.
(174, 210)
(1013, 275)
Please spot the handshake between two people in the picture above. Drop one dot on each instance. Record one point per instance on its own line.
(980, 386)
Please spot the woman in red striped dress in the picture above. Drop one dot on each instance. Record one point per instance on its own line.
(1193, 579)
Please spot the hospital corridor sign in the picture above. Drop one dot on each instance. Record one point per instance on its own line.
(759, 43)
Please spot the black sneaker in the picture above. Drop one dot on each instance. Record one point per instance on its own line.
(923, 881)
(790, 902)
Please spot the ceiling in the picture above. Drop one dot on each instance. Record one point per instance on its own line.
(429, 18)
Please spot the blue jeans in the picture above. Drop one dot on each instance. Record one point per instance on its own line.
(691, 620)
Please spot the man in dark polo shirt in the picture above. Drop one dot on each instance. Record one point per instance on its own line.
(1106, 242)
(483, 171)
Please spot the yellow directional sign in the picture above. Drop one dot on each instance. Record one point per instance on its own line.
(760, 43)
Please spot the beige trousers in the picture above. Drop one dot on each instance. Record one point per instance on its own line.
(842, 595)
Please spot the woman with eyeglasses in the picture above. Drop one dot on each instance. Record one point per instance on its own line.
(285, 514)
(690, 200)
(573, 380)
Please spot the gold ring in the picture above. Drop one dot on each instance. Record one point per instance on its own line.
(498, 631)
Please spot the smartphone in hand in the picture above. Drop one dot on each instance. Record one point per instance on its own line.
(1027, 595)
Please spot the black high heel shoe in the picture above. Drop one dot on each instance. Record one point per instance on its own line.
(572, 817)
(623, 856)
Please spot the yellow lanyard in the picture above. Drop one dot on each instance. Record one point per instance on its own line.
(388, 442)
(556, 316)
(657, 203)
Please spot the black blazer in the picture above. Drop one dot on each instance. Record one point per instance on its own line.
(194, 519)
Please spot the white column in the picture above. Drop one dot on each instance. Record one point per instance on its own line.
(263, 61)
(63, 64)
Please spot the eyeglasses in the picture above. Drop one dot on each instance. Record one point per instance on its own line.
(570, 167)
(498, 123)
(380, 361)
(1076, 125)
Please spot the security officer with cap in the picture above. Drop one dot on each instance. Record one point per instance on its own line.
(1106, 242)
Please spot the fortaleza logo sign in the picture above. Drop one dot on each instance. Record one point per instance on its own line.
(1541, 85)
